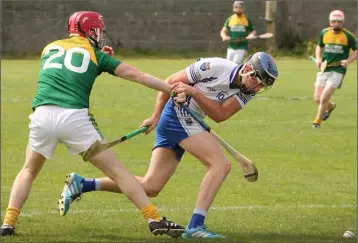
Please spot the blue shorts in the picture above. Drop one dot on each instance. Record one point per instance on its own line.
(174, 126)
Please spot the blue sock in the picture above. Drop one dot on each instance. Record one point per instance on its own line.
(198, 218)
(89, 185)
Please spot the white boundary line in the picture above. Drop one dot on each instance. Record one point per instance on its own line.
(76, 210)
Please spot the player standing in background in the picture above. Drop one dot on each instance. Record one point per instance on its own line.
(336, 42)
(69, 67)
(236, 27)
(216, 87)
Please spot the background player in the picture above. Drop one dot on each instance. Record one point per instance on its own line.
(235, 27)
(336, 42)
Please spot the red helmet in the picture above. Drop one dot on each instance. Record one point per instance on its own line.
(88, 24)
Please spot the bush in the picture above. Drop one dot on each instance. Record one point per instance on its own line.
(292, 45)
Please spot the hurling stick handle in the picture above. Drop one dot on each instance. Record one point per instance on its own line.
(128, 136)
(242, 160)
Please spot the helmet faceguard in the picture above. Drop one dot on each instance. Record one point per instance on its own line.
(336, 20)
(88, 24)
(262, 67)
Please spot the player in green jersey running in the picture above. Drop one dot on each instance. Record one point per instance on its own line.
(337, 42)
(237, 27)
(68, 70)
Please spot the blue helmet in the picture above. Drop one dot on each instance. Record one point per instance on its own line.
(264, 68)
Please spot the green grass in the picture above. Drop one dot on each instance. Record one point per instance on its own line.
(306, 191)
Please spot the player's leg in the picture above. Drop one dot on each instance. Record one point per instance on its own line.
(238, 56)
(317, 94)
(323, 106)
(164, 161)
(85, 134)
(21, 189)
(317, 97)
(332, 80)
(42, 144)
(162, 166)
(230, 54)
(131, 188)
(331, 106)
(321, 80)
(178, 130)
(207, 149)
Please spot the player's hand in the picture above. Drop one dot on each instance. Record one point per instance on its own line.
(183, 88)
(108, 50)
(179, 98)
(151, 123)
(345, 63)
(318, 62)
(226, 38)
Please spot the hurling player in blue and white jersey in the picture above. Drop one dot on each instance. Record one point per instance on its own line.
(215, 87)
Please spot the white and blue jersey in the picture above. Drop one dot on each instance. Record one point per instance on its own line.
(212, 77)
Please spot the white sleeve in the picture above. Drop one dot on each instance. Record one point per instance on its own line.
(243, 99)
(200, 71)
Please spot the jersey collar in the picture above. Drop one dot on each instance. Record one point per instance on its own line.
(233, 75)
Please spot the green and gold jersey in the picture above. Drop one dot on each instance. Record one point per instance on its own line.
(68, 70)
(238, 27)
(336, 47)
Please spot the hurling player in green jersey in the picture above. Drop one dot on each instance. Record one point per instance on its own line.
(236, 27)
(336, 42)
(68, 70)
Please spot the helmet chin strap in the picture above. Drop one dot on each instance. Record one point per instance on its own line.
(99, 43)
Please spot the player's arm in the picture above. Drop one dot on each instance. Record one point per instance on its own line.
(162, 99)
(216, 111)
(224, 33)
(251, 28)
(203, 70)
(252, 34)
(353, 54)
(108, 64)
(131, 73)
(350, 59)
(319, 50)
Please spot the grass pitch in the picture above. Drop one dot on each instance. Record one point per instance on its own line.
(306, 191)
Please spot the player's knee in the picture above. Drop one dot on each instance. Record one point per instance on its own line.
(227, 168)
(324, 100)
(150, 189)
(317, 100)
(152, 192)
(222, 168)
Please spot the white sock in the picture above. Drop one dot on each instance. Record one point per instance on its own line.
(200, 211)
(98, 184)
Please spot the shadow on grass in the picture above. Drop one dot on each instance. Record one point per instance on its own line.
(111, 236)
